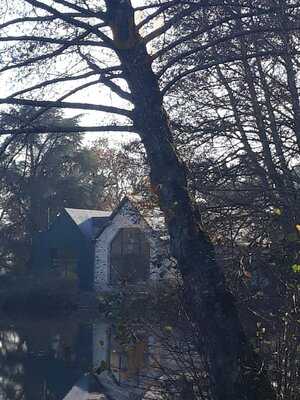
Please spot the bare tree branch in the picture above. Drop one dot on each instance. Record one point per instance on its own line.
(59, 104)
(218, 23)
(67, 130)
(104, 78)
(63, 79)
(42, 57)
(224, 39)
(40, 19)
(41, 39)
(97, 13)
(169, 24)
(71, 20)
(52, 82)
(224, 60)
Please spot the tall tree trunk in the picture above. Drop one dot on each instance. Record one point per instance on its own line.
(235, 371)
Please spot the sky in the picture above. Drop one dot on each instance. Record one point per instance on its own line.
(93, 95)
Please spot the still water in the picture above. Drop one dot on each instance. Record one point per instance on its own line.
(42, 359)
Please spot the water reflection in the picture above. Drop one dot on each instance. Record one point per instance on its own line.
(41, 360)
(124, 360)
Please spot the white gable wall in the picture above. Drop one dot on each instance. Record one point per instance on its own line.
(126, 217)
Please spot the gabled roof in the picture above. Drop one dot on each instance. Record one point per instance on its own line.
(93, 222)
(88, 221)
(153, 218)
(112, 215)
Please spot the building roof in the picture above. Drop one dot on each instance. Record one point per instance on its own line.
(88, 221)
(93, 222)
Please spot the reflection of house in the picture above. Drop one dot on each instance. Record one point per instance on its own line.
(42, 359)
(102, 249)
(121, 368)
(128, 363)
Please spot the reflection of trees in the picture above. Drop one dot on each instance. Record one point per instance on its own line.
(128, 362)
(117, 349)
(12, 348)
(41, 360)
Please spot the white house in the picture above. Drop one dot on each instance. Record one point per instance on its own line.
(127, 250)
(102, 250)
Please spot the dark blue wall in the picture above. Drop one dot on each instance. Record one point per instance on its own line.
(65, 234)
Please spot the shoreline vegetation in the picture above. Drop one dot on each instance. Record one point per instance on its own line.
(54, 296)
(40, 296)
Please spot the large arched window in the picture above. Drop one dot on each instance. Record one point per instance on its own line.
(129, 257)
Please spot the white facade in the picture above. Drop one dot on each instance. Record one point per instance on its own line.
(126, 216)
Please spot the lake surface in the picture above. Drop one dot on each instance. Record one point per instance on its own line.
(42, 359)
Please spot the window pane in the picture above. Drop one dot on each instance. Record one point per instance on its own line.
(131, 241)
(130, 257)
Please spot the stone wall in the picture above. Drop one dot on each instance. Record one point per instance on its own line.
(126, 217)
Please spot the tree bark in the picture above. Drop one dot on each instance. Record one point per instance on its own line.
(235, 371)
